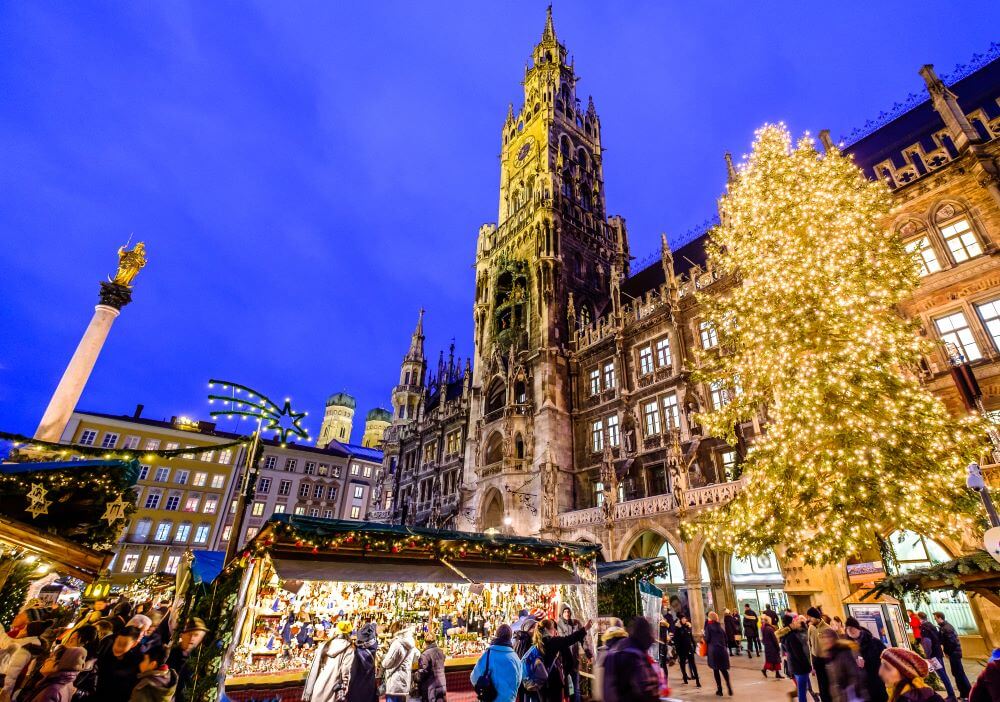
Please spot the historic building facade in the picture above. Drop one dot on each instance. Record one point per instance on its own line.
(577, 416)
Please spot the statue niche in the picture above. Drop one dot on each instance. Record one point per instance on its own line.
(510, 303)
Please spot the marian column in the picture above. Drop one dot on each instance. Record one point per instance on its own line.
(114, 295)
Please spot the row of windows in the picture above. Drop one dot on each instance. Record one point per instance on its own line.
(956, 332)
(960, 244)
(656, 414)
(181, 477)
(607, 374)
(312, 468)
(172, 504)
(131, 562)
(88, 437)
(165, 527)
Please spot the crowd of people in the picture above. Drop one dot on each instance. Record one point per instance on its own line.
(120, 652)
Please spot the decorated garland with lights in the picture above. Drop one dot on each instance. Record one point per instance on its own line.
(811, 341)
(26, 442)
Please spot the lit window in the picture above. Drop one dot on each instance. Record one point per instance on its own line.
(88, 437)
(173, 562)
(645, 360)
(183, 532)
(232, 506)
(151, 563)
(130, 562)
(304, 490)
(355, 512)
(207, 456)
(143, 472)
(152, 444)
(279, 508)
(227, 532)
(161, 475)
(171, 446)
(663, 358)
(359, 492)
(989, 312)
(300, 510)
(211, 504)
(270, 462)
(152, 499)
(189, 456)
(258, 509)
(318, 491)
(181, 477)
(368, 471)
(200, 479)
(613, 430)
(924, 254)
(720, 396)
(729, 464)
(597, 436)
(225, 456)
(142, 528)
(163, 531)
(218, 481)
(201, 533)
(290, 464)
(264, 485)
(310, 468)
(284, 487)
(961, 241)
(609, 376)
(671, 413)
(355, 469)
(252, 532)
(651, 415)
(191, 503)
(328, 514)
(131, 442)
(709, 336)
(109, 441)
(595, 381)
(957, 336)
(173, 502)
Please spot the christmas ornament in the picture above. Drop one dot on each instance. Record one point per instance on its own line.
(37, 504)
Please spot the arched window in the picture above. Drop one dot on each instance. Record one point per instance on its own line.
(520, 392)
(917, 241)
(956, 229)
(584, 316)
(518, 446)
(493, 512)
(915, 551)
(496, 398)
(565, 146)
(494, 449)
(583, 158)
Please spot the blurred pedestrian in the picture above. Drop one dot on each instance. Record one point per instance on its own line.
(870, 649)
(612, 637)
(817, 652)
(629, 675)
(118, 667)
(846, 678)
(795, 640)
(19, 652)
(952, 647)
(430, 671)
(716, 642)
(58, 675)
(156, 681)
(180, 653)
(731, 625)
(685, 647)
(361, 686)
(549, 648)
(987, 687)
(566, 625)
(751, 631)
(930, 642)
(903, 672)
(772, 650)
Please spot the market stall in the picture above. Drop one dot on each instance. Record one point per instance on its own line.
(306, 576)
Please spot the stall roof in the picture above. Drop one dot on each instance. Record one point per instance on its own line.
(320, 527)
(613, 570)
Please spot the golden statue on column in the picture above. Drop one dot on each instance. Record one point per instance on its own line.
(130, 262)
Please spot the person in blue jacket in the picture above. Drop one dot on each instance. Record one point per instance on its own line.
(503, 664)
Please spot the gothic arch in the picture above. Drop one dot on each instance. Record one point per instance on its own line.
(496, 395)
(634, 535)
(492, 512)
(493, 452)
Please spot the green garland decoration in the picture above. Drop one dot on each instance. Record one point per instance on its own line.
(20, 441)
(617, 595)
(949, 572)
(216, 605)
(14, 589)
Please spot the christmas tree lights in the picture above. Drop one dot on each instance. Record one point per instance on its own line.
(810, 341)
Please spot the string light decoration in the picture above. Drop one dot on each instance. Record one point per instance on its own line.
(811, 342)
(20, 441)
(245, 402)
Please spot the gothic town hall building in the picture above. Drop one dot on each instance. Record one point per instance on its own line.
(574, 418)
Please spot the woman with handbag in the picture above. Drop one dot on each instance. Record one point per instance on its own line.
(496, 676)
(718, 653)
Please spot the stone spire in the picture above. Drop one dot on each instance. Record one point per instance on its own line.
(730, 168)
(946, 104)
(416, 352)
(827, 141)
(549, 33)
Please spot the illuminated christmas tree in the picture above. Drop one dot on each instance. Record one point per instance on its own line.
(810, 339)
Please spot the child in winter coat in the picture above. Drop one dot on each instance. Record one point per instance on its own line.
(156, 682)
(59, 675)
(903, 672)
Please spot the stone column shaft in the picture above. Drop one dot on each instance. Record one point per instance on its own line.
(74, 379)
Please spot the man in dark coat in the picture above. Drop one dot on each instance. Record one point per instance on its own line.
(685, 648)
(750, 631)
(362, 686)
(430, 671)
(731, 625)
(930, 641)
(192, 636)
(628, 674)
(118, 667)
(952, 647)
(870, 652)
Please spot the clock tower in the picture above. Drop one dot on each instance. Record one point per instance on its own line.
(542, 270)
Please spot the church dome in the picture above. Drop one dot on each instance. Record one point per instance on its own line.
(342, 399)
(379, 415)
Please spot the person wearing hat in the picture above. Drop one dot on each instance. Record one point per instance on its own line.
(629, 675)
(614, 634)
(817, 651)
(870, 650)
(362, 687)
(330, 672)
(685, 648)
(58, 675)
(27, 645)
(430, 671)
(903, 672)
(503, 665)
(987, 685)
(191, 637)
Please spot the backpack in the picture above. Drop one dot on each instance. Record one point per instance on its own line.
(536, 675)
(485, 688)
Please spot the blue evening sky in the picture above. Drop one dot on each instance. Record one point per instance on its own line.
(306, 175)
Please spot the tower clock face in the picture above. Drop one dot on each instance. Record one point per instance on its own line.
(524, 151)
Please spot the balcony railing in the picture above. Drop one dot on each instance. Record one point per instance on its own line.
(696, 498)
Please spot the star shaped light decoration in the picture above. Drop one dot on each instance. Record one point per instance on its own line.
(115, 510)
(37, 504)
(244, 402)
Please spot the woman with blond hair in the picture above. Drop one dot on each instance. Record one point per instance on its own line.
(718, 653)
